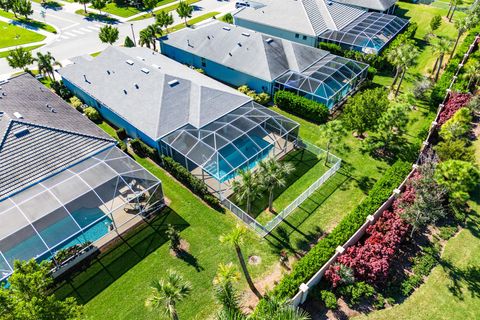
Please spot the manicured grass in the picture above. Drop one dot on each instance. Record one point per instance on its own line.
(34, 24)
(12, 35)
(128, 11)
(193, 21)
(4, 54)
(50, 4)
(166, 9)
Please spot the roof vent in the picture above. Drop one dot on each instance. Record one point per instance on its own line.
(208, 37)
(156, 66)
(48, 106)
(145, 70)
(140, 58)
(136, 85)
(124, 91)
(269, 40)
(239, 44)
(22, 132)
(18, 115)
(108, 71)
(173, 83)
(246, 34)
(226, 28)
(330, 3)
(130, 62)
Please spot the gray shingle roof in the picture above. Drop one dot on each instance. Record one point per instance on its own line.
(380, 5)
(245, 50)
(135, 84)
(309, 17)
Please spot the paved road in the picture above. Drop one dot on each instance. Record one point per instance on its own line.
(78, 36)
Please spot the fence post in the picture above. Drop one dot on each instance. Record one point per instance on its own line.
(304, 291)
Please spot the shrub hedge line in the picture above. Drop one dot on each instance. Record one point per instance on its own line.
(305, 268)
(143, 150)
(439, 90)
(300, 106)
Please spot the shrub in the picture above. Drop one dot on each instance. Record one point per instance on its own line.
(123, 146)
(93, 114)
(423, 264)
(61, 90)
(325, 248)
(455, 102)
(76, 103)
(372, 72)
(329, 299)
(421, 87)
(142, 149)
(121, 133)
(446, 232)
(302, 107)
(357, 291)
(455, 150)
(262, 98)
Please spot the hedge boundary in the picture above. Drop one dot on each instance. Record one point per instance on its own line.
(302, 107)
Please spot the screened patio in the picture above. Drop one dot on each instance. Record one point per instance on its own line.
(235, 141)
(80, 204)
(368, 35)
(327, 81)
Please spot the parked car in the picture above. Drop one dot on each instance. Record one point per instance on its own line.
(241, 4)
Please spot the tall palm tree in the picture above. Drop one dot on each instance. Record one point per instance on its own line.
(472, 73)
(46, 63)
(461, 25)
(236, 239)
(184, 11)
(247, 188)
(394, 57)
(225, 291)
(408, 58)
(276, 308)
(453, 8)
(148, 37)
(272, 175)
(440, 47)
(166, 293)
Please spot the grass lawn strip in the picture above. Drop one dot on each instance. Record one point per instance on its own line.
(166, 9)
(4, 54)
(128, 11)
(193, 21)
(29, 22)
(12, 35)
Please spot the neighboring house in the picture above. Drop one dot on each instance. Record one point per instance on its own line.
(384, 6)
(239, 56)
(312, 21)
(205, 125)
(63, 181)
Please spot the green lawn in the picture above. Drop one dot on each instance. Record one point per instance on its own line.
(452, 291)
(128, 11)
(34, 24)
(193, 21)
(12, 35)
(4, 54)
(166, 9)
(50, 4)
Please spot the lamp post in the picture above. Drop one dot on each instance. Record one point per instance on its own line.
(133, 35)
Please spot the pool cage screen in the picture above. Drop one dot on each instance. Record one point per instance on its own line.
(235, 141)
(368, 35)
(80, 204)
(327, 81)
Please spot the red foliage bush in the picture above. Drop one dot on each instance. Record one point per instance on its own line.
(454, 103)
(332, 275)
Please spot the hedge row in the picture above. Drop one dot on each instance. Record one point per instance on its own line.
(305, 268)
(300, 106)
(143, 150)
(439, 90)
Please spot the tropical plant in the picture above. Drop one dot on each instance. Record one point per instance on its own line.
(277, 308)
(273, 175)
(228, 18)
(462, 25)
(150, 5)
(440, 46)
(164, 19)
(108, 34)
(93, 114)
(148, 37)
(20, 58)
(471, 73)
(128, 43)
(84, 2)
(46, 63)
(22, 7)
(408, 57)
(459, 178)
(247, 188)
(453, 8)
(184, 11)
(333, 132)
(224, 289)
(457, 149)
(99, 4)
(174, 237)
(435, 22)
(458, 126)
(235, 239)
(166, 293)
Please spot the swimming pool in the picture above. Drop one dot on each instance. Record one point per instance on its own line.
(236, 155)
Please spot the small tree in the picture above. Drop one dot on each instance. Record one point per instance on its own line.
(23, 7)
(228, 18)
(150, 5)
(20, 58)
(46, 64)
(224, 288)
(462, 25)
(435, 22)
(362, 111)
(128, 42)
(235, 239)
(174, 237)
(459, 178)
(164, 19)
(408, 58)
(272, 175)
(99, 4)
(472, 74)
(84, 2)
(108, 34)
(441, 46)
(184, 11)
(333, 133)
(166, 293)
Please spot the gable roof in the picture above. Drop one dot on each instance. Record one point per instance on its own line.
(308, 17)
(155, 94)
(245, 50)
(380, 5)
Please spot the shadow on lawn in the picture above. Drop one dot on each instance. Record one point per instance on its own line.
(93, 276)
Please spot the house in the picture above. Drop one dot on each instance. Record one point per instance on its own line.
(344, 22)
(206, 126)
(239, 56)
(63, 181)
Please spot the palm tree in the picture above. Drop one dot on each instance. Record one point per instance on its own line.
(472, 73)
(247, 188)
(184, 11)
(394, 57)
(408, 58)
(276, 308)
(20, 58)
(166, 293)
(453, 8)
(236, 239)
(333, 132)
(46, 63)
(225, 291)
(148, 37)
(461, 25)
(272, 175)
(108, 34)
(440, 47)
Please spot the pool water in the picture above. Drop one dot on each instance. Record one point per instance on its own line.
(237, 156)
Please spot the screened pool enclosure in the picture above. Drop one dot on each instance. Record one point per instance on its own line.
(235, 141)
(94, 199)
(368, 34)
(327, 81)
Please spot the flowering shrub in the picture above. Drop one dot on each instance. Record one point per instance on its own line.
(455, 102)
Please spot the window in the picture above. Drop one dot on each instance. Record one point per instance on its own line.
(297, 35)
(204, 62)
(304, 37)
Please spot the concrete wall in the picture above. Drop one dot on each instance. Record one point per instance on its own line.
(215, 70)
(285, 34)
